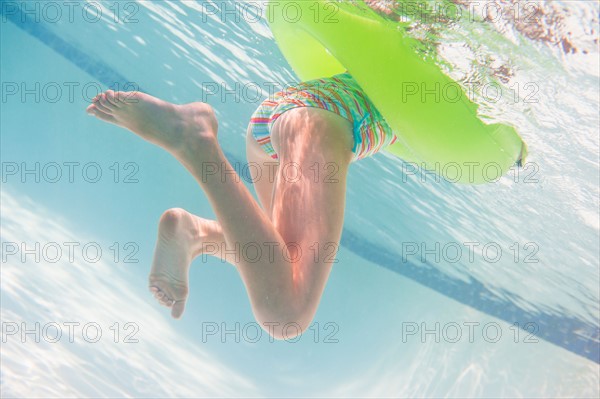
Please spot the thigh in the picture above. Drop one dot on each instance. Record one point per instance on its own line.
(263, 170)
(315, 149)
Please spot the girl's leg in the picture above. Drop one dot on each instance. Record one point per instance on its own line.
(307, 213)
(183, 236)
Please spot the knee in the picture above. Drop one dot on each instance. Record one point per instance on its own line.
(285, 325)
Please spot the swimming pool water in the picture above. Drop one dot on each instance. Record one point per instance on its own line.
(533, 234)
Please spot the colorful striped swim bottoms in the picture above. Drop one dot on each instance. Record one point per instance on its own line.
(340, 94)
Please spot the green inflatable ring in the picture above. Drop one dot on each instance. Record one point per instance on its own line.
(322, 38)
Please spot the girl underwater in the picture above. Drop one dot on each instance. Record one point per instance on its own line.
(325, 123)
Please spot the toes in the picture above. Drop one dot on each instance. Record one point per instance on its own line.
(111, 99)
(164, 300)
(177, 309)
(167, 300)
(115, 99)
(93, 110)
(159, 295)
(106, 117)
(103, 105)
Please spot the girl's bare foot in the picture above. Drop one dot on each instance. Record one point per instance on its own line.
(176, 128)
(181, 237)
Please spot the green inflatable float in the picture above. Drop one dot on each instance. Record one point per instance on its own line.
(435, 121)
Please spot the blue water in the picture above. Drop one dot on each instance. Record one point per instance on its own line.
(183, 52)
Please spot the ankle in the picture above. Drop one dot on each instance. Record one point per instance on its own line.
(201, 148)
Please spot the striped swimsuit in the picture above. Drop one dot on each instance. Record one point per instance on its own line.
(340, 94)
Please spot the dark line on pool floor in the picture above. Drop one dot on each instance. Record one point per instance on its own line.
(570, 333)
(93, 66)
